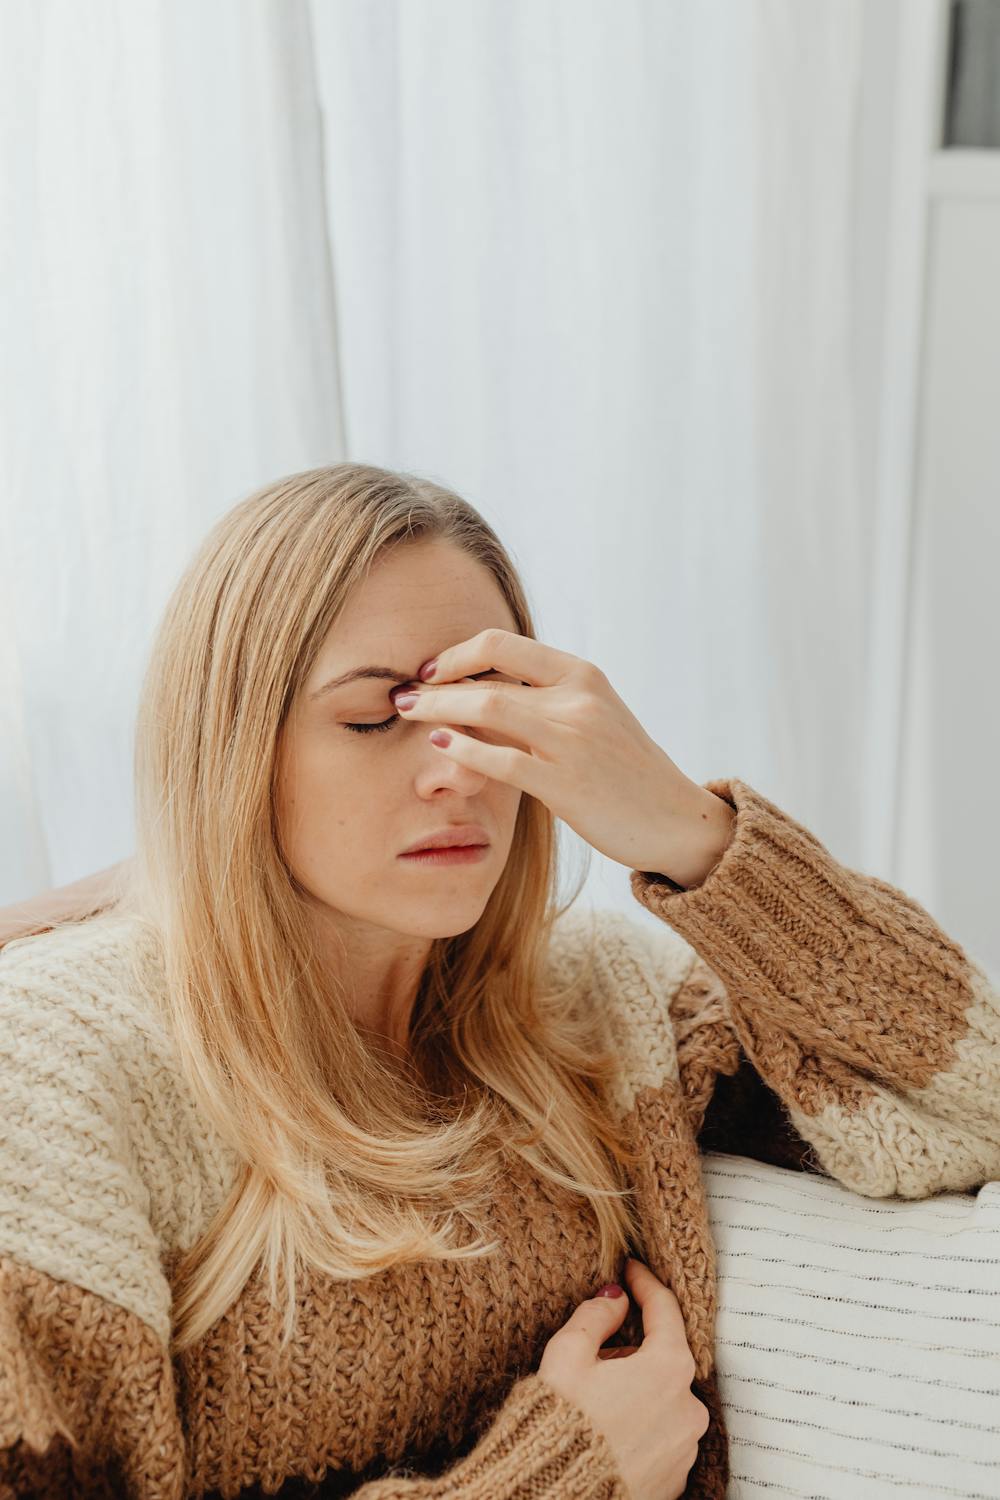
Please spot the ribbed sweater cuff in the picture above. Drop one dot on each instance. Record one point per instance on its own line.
(769, 893)
(830, 954)
(776, 891)
(539, 1444)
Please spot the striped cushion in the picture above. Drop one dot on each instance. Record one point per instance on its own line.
(858, 1339)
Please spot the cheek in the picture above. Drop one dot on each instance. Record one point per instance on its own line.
(324, 802)
(507, 805)
(303, 793)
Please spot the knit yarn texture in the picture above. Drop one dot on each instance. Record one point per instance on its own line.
(787, 1008)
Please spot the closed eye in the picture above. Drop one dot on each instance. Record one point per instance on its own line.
(373, 728)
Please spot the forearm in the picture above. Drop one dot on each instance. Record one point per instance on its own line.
(539, 1444)
(878, 1033)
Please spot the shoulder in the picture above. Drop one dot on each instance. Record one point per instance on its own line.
(83, 1002)
(626, 951)
(86, 971)
(634, 970)
(104, 1162)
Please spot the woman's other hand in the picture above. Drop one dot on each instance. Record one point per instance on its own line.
(644, 1404)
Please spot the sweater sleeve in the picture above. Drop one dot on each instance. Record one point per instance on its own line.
(536, 1444)
(87, 1404)
(872, 1030)
(87, 1400)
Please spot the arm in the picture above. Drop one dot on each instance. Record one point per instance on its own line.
(87, 1399)
(66, 903)
(538, 1444)
(86, 1394)
(877, 1034)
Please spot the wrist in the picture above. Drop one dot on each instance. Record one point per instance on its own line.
(701, 834)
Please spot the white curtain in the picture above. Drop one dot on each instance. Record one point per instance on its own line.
(169, 343)
(592, 264)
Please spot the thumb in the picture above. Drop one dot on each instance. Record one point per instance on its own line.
(601, 1315)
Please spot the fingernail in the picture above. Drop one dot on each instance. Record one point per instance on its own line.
(405, 700)
(427, 670)
(611, 1289)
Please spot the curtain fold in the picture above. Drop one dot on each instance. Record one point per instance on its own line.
(169, 344)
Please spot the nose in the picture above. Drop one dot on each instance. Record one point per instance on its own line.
(440, 768)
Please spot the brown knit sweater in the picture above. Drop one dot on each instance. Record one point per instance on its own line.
(787, 1008)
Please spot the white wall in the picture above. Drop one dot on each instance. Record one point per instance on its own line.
(950, 812)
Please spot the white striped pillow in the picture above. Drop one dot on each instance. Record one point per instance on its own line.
(858, 1339)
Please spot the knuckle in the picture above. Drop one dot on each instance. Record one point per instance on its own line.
(567, 1340)
(579, 708)
(493, 708)
(679, 1366)
(510, 760)
(492, 637)
(700, 1417)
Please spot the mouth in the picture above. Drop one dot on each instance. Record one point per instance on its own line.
(459, 836)
(450, 854)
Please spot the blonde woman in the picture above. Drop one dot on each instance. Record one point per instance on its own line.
(326, 1161)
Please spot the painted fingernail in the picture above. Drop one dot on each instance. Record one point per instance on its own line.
(405, 700)
(439, 737)
(428, 668)
(612, 1289)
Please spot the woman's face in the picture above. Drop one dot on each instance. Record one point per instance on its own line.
(350, 800)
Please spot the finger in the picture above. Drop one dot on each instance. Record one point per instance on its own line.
(662, 1319)
(522, 656)
(499, 762)
(511, 711)
(590, 1324)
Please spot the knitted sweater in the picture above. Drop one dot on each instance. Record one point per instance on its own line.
(787, 1008)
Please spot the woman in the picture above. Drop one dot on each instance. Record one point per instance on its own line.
(319, 1148)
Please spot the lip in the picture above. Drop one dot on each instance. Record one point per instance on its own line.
(471, 854)
(457, 835)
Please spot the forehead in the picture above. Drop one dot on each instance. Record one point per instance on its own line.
(419, 598)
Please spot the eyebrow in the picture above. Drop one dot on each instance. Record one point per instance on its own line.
(386, 673)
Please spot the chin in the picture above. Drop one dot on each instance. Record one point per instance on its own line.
(438, 925)
(438, 918)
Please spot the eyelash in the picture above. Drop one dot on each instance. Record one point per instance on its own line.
(373, 728)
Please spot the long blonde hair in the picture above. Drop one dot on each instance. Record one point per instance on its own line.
(350, 1163)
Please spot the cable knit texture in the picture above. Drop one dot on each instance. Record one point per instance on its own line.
(787, 1008)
